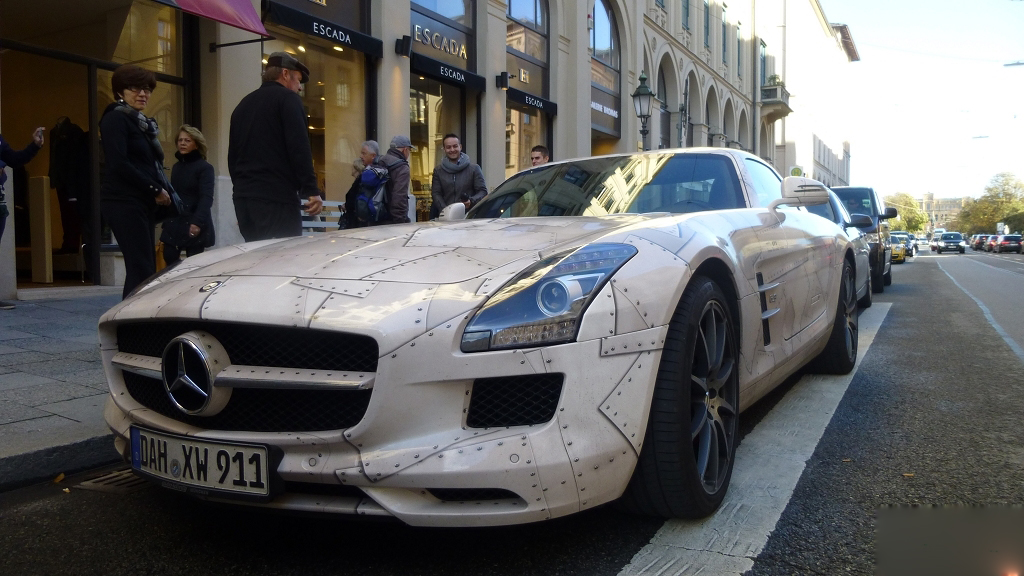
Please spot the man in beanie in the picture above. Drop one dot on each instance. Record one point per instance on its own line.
(396, 160)
(269, 155)
(456, 179)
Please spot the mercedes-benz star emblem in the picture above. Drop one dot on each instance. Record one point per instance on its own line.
(187, 375)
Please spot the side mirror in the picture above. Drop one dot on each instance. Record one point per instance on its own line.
(890, 212)
(453, 212)
(861, 221)
(798, 191)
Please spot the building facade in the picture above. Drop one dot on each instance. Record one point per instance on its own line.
(941, 211)
(505, 75)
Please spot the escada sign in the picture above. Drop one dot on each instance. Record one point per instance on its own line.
(439, 42)
(453, 74)
(331, 32)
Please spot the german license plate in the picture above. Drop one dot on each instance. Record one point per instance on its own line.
(201, 465)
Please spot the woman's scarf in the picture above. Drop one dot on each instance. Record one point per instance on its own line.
(147, 125)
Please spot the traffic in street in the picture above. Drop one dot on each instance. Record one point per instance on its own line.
(925, 424)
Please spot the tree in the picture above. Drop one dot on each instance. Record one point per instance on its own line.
(910, 218)
(1003, 197)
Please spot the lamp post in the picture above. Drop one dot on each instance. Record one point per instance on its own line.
(642, 99)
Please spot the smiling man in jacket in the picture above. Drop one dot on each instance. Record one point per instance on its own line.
(456, 179)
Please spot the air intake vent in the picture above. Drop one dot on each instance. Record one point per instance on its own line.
(514, 400)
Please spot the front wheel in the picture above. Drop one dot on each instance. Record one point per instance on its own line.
(840, 354)
(687, 458)
(865, 302)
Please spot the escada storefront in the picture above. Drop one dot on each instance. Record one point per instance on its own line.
(529, 113)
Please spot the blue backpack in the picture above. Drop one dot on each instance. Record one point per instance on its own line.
(372, 201)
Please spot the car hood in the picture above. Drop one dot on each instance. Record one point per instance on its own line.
(390, 282)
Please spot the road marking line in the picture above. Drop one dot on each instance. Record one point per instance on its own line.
(975, 261)
(988, 316)
(769, 462)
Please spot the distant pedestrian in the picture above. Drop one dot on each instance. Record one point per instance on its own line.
(192, 177)
(133, 179)
(396, 160)
(539, 155)
(368, 153)
(269, 156)
(13, 158)
(456, 179)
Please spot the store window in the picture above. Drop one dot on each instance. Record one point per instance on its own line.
(527, 61)
(460, 11)
(435, 109)
(334, 102)
(604, 73)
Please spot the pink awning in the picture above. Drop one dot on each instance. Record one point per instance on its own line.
(237, 13)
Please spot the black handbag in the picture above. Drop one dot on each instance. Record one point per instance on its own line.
(176, 207)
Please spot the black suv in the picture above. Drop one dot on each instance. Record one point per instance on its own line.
(859, 200)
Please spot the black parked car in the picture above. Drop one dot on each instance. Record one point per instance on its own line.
(1007, 243)
(860, 200)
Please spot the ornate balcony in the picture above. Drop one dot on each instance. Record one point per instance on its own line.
(775, 102)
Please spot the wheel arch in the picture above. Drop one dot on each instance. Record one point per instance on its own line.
(717, 270)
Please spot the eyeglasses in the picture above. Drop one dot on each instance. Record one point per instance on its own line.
(140, 90)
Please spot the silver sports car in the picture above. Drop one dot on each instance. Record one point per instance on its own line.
(590, 333)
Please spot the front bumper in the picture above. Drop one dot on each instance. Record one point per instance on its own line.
(414, 456)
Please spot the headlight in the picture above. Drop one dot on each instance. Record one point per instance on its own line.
(873, 237)
(543, 304)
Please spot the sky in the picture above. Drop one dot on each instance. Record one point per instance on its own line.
(935, 109)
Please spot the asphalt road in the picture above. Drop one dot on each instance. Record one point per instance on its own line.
(931, 417)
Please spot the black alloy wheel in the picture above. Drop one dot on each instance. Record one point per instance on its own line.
(687, 459)
(840, 354)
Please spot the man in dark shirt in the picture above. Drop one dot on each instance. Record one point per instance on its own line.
(269, 155)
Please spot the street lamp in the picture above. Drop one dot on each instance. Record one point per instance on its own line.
(642, 99)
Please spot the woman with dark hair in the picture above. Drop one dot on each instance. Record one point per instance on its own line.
(192, 177)
(133, 179)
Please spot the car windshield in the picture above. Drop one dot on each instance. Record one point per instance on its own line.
(857, 200)
(952, 236)
(638, 183)
(899, 238)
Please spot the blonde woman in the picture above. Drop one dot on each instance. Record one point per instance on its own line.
(192, 178)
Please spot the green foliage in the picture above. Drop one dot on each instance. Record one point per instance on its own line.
(1002, 201)
(910, 218)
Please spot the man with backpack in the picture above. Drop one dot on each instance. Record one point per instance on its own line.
(396, 161)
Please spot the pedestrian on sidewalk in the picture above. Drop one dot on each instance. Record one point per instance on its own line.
(269, 156)
(192, 178)
(133, 180)
(456, 179)
(14, 158)
(396, 160)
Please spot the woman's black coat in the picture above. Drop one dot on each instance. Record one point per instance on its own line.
(193, 179)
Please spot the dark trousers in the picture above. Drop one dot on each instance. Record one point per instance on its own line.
(262, 220)
(132, 224)
(173, 253)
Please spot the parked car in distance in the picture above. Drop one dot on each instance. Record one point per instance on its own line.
(978, 241)
(863, 200)
(933, 244)
(593, 331)
(1008, 243)
(908, 241)
(951, 242)
(899, 248)
(990, 243)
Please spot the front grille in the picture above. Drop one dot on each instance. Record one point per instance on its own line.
(514, 400)
(261, 410)
(258, 345)
(471, 494)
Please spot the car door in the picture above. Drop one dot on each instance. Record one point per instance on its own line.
(799, 269)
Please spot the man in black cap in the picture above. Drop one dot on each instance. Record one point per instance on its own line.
(269, 155)
(397, 162)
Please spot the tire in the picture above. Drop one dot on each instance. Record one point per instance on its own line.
(686, 462)
(877, 282)
(887, 277)
(840, 354)
(865, 302)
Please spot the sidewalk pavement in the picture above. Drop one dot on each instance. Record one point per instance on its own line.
(52, 386)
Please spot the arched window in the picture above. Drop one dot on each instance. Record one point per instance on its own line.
(604, 72)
